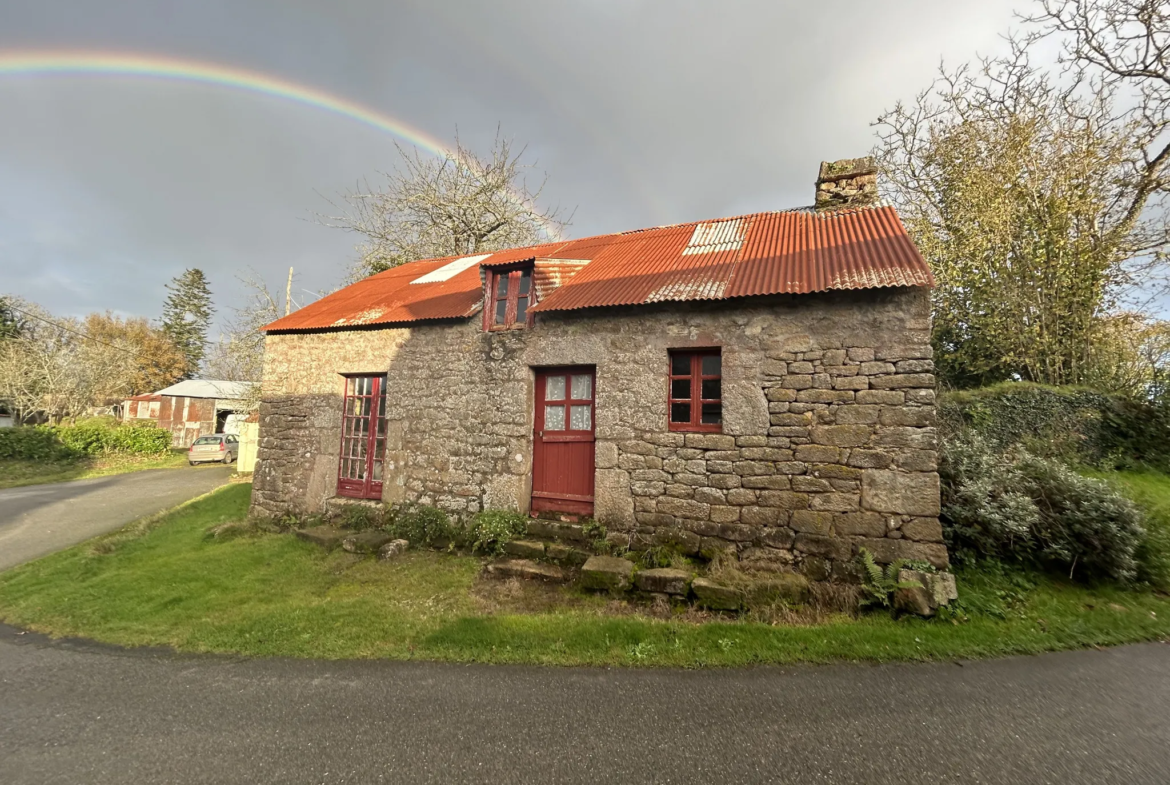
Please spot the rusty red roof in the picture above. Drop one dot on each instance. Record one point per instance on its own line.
(792, 252)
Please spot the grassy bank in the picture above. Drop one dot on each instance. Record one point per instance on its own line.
(14, 473)
(170, 583)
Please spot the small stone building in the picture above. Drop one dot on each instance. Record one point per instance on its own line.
(762, 382)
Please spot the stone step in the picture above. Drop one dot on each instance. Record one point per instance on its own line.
(327, 537)
(527, 570)
(607, 573)
(541, 549)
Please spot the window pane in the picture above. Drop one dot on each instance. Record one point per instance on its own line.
(711, 365)
(554, 418)
(554, 388)
(501, 310)
(349, 386)
(680, 364)
(712, 413)
(680, 388)
(712, 389)
(521, 309)
(579, 418)
(582, 387)
(525, 282)
(377, 473)
(502, 286)
(680, 412)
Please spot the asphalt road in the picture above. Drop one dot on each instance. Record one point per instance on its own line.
(80, 712)
(38, 519)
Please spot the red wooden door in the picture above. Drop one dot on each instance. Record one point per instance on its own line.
(363, 438)
(562, 454)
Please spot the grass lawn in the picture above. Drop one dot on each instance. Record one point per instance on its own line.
(168, 582)
(17, 473)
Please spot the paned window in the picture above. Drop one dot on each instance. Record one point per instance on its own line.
(510, 299)
(696, 391)
(363, 437)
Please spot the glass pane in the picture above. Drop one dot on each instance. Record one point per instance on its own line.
(554, 388)
(583, 387)
(502, 286)
(680, 412)
(377, 473)
(554, 418)
(680, 364)
(680, 388)
(349, 386)
(382, 406)
(712, 413)
(712, 389)
(521, 309)
(711, 365)
(525, 282)
(579, 418)
(501, 310)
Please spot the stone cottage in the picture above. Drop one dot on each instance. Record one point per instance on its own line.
(762, 382)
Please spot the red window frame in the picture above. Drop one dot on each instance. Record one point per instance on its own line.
(512, 278)
(361, 461)
(695, 399)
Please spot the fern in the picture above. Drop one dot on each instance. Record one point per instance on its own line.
(879, 585)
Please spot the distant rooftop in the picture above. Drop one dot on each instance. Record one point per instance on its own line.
(209, 388)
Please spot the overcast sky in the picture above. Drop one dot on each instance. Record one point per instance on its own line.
(641, 113)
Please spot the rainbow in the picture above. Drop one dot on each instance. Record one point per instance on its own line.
(156, 67)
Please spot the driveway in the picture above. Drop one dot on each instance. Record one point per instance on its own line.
(79, 712)
(38, 519)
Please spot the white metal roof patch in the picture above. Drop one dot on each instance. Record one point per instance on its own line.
(451, 269)
(713, 236)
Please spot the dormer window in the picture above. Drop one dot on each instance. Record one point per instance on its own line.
(510, 300)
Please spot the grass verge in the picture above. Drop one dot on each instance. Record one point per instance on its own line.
(171, 583)
(14, 474)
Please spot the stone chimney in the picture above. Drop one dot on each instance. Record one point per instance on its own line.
(851, 182)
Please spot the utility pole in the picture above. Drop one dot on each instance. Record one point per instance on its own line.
(288, 294)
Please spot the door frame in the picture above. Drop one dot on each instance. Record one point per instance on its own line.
(367, 487)
(546, 501)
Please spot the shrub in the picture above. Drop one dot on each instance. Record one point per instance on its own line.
(1084, 523)
(360, 517)
(91, 437)
(421, 525)
(878, 586)
(490, 529)
(1020, 507)
(1075, 424)
(34, 443)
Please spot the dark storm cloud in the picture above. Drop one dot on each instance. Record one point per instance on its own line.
(641, 112)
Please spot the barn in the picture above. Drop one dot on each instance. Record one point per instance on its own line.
(761, 382)
(193, 408)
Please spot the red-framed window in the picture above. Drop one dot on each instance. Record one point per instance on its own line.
(510, 298)
(363, 438)
(695, 400)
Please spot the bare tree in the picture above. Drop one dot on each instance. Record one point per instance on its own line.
(458, 203)
(53, 368)
(239, 353)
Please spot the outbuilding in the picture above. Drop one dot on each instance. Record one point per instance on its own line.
(762, 382)
(193, 408)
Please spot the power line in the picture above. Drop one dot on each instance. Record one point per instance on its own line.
(122, 349)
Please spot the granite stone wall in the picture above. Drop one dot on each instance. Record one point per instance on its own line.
(828, 440)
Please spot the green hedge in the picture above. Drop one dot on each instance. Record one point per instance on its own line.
(1070, 423)
(65, 442)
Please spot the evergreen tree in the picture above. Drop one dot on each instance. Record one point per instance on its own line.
(11, 322)
(187, 315)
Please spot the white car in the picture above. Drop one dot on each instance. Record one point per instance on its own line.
(217, 448)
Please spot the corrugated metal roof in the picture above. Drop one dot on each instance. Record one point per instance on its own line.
(208, 388)
(794, 252)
